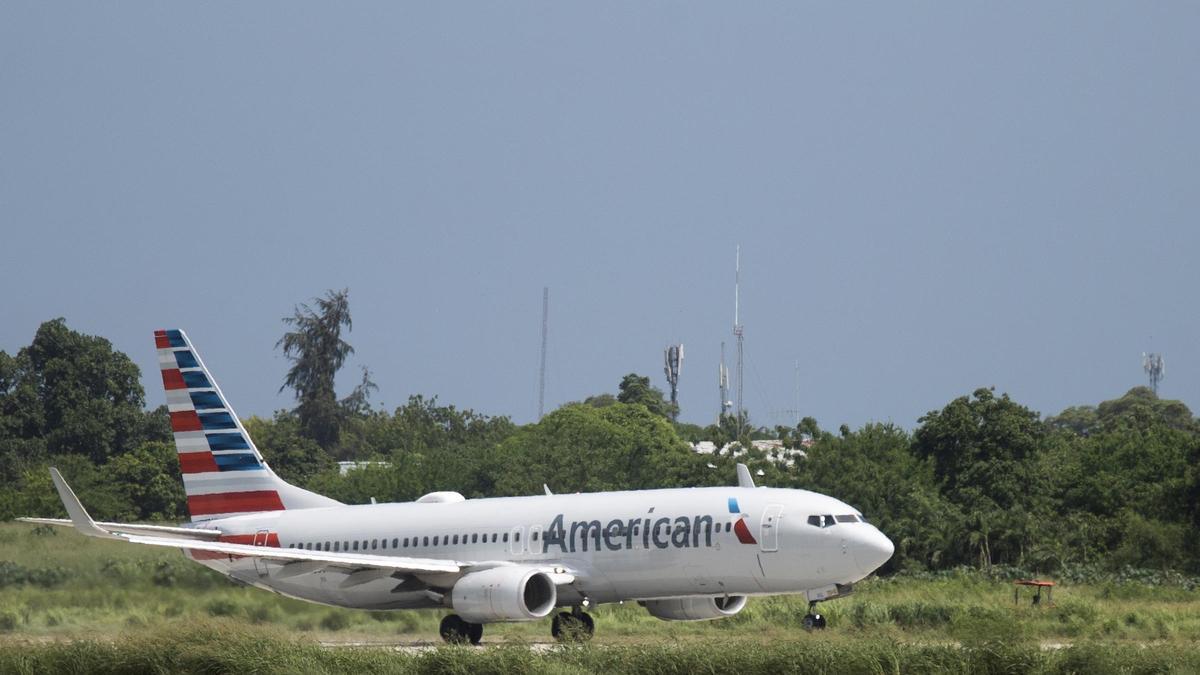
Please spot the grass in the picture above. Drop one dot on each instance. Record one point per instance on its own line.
(87, 605)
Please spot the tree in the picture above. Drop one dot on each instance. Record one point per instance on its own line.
(70, 393)
(983, 450)
(635, 389)
(317, 351)
(578, 448)
(1140, 407)
(290, 454)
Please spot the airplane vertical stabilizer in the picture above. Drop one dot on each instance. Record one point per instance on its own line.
(223, 472)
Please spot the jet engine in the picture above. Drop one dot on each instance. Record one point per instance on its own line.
(695, 609)
(504, 594)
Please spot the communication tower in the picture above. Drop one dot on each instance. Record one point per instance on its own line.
(723, 386)
(737, 332)
(673, 359)
(1155, 369)
(542, 369)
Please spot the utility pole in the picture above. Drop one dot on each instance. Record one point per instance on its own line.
(542, 370)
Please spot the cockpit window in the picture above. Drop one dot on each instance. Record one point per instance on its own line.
(821, 521)
(851, 518)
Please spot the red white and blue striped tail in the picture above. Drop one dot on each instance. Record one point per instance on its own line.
(223, 473)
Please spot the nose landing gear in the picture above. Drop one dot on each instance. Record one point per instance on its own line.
(812, 620)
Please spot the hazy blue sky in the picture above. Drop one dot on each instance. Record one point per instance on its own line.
(930, 197)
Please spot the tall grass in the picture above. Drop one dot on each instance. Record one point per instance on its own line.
(221, 646)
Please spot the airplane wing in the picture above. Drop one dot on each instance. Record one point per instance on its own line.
(135, 528)
(362, 567)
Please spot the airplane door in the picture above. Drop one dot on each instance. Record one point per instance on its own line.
(514, 541)
(769, 529)
(260, 539)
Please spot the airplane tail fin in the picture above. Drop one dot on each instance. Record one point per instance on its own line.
(223, 473)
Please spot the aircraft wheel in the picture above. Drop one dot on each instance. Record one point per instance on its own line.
(454, 630)
(814, 622)
(474, 632)
(572, 627)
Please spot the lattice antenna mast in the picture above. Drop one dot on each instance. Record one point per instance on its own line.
(542, 369)
(737, 332)
(1155, 368)
(673, 360)
(723, 386)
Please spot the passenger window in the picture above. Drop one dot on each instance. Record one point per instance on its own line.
(335, 546)
(505, 538)
(345, 546)
(516, 536)
(326, 546)
(535, 536)
(374, 543)
(356, 546)
(435, 540)
(493, 537)
(456, 539)
(475, 538)
(425, 541)
(727, 526)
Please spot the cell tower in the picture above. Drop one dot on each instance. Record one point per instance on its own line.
(723, 386)
(1155, 369)
(542, 370)
(673, 359)
(737, 332)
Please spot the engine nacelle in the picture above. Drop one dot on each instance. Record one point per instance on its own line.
(695, 609)
(504, 594)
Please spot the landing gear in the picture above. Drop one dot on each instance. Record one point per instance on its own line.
(574, 626)
(456, 631)
(812, 620)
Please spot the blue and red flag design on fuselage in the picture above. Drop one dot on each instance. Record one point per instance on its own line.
(739, 526)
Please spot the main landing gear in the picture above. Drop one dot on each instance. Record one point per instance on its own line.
(456, 631)
(573, 626)
(812, 620)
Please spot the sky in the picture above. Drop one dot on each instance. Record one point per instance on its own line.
(929, 197)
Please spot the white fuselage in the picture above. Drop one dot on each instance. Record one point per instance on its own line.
(618, 545)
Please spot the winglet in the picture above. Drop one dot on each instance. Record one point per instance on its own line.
(547, 489)
(744, 478)
(79, 516)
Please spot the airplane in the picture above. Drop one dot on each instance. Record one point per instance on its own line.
(685, 554)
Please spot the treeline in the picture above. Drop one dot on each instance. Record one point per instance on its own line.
(982, 481)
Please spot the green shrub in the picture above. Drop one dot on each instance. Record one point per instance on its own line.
(221, 607)
(335, 621)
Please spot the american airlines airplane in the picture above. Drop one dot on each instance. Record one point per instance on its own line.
(684, 554)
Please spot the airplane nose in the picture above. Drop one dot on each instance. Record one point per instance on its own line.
(872, 549)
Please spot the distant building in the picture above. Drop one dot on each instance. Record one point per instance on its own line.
(346, 467)
(774, 450)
